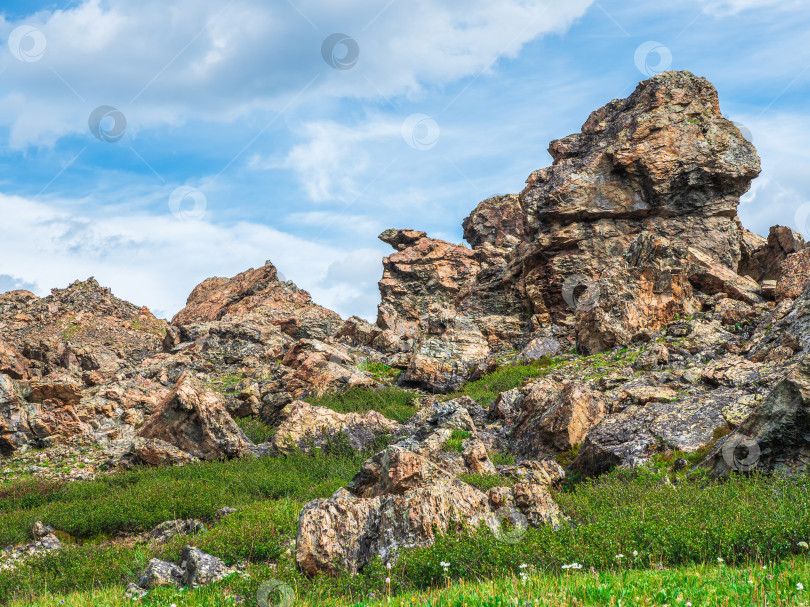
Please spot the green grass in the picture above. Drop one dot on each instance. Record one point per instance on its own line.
(256, 430)
(379, 371)
(485, 482)
(227, 382)
(704, 585)
(501, 459)
(740, 520)
(140, 499)
(393, 403)
(456, 440)
(683, 529)
(486, 389)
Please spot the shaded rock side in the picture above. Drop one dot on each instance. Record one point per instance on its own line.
(192, 419)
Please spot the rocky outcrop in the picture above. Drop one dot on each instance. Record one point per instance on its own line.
(407, 493)
(259, 296)
(555, 417)
(795, 274)
(776, 436)
(44, 542)
(197, 568)
(763, 259)
(82, 330)
(193, 420)
(305, 427)
(635, 219)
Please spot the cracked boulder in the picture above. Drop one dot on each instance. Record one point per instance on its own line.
(192, 419)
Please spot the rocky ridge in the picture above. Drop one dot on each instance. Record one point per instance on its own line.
(652, 321)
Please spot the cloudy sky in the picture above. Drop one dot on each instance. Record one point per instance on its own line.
(152, 144)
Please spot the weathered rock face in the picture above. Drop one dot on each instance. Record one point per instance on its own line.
(795, 274)
(763, 259)
(496, 221)
(405, 494)
(555, 417)
(192, 419)
(258, 296)
(776, 436)
(305, 427)
(665, 163)
(44, 542)
(82, 330)
(636, 214)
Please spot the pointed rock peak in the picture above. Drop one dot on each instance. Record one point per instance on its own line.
(260, 295)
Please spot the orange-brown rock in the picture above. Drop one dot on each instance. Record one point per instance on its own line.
(306, 427)
(763, 259)
(79, 330)
(12, 363)
(555, 416)
(258, 295)
(795, 275)
(193, 419)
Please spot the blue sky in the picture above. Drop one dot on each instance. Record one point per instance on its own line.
(239, 131)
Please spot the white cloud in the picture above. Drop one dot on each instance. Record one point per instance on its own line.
(730, 7)
(333, 156)
(164, 64)
(156, 261)
(784, 186)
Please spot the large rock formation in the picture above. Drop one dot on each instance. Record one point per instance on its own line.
(405, 494)
(258, 297)
(635, 216)
(192, 419)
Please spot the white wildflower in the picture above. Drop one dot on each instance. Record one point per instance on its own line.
(799, 586)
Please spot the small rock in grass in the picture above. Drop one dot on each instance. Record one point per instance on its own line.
(134, 592)
(202, 568)
(160, 573)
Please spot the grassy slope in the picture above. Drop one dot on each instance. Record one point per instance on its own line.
(683, 529)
